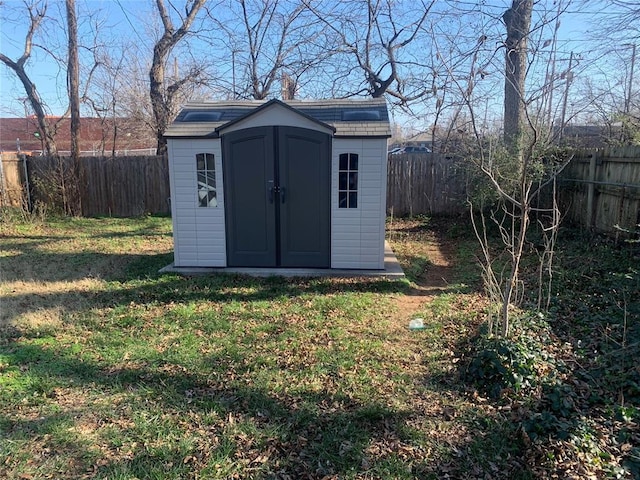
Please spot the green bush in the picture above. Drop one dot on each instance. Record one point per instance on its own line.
(499, 364)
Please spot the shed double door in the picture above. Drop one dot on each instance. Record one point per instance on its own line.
(277, 195)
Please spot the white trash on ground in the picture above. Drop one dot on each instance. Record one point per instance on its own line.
(416, 324)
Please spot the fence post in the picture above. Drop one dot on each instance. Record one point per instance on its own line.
(3, 185)
(591, 188)
(27, 183)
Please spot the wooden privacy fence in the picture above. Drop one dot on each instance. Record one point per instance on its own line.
(12, 175)
(425, 183)
(126, 186)
(600, 189)
(131, 186)
(112, 186)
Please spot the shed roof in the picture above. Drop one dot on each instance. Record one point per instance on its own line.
(349, 118)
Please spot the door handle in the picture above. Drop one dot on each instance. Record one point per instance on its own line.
(282, 194)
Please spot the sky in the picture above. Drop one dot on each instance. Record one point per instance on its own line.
(118, 17)
(129, 19)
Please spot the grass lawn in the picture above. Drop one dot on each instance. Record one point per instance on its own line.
(110, 370)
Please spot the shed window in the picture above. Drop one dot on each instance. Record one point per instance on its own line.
(360, 115)
(206, 171)
(348, 180)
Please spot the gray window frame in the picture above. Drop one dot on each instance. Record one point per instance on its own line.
(208, 174)
(348, 166)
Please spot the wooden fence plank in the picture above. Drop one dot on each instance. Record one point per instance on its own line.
(11, 180)
(119, 187)
(601, 189)
(425, 183)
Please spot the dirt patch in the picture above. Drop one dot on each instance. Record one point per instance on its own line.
(433, 282)
(413, 243)
(438, 275)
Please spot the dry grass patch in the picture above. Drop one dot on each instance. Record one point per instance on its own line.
(37, 304)
(49, 270)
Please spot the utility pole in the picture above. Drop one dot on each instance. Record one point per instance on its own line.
(566, 95)
(233, 73)
(627, 103)
(551, 77)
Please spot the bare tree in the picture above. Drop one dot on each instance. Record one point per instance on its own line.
(379, 41)
(463, 61)
(37, 11)
(104, 101)
(607, 80)
(624, 53)
(163, 97)
(119, 97)
(256, 33)
(626, 24)
(271, 40)
(516, 169)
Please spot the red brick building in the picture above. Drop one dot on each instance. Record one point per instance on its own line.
(97, 135)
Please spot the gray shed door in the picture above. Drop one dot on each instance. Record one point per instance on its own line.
(277, 196)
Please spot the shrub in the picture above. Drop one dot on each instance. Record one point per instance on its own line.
(514, 363)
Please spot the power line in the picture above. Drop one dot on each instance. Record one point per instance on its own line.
(135, 30)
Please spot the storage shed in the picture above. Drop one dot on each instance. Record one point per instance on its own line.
(279, 184)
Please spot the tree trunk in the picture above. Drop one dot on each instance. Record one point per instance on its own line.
(518, 21)
(514, 274)
(156, 94)
(163, 97)
(73, 80)
(46, 131)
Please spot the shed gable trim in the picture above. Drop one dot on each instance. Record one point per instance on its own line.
(269, 105)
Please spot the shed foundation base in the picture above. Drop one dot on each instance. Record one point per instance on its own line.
(392, 269)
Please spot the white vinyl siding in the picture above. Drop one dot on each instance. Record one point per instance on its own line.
(357, 234)
(198, 233)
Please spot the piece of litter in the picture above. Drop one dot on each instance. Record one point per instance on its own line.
(416, 324)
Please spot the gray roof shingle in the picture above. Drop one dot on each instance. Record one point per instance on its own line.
(371, 114)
